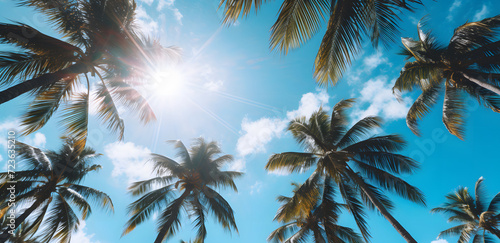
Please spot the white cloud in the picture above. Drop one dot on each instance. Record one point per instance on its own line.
(255, 188)
(373, 61)
(129, 160)
(377, 93)
(257, 134)
(37, 139)
(481, 13)
(370, 63)
(81, 236)
(238, 165)
(309, 103)
(456, 4)
(213, 85)
(439, 241)
(145, 23)
(165, 3)
(177, 14)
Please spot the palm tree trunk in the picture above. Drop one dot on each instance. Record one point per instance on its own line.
(5, 234)
(483, 84)
(163, 232)
(381, 208)
(41, 81)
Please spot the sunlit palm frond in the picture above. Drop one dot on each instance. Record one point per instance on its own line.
(342, 40)
(297, 22)
(454, 111)
(108, 112)
(66, 15)
(76, 120)
(93, 195)
(61, 221)
(45, 104)
(360, 129)
(291, 161)
(131, 98)
(19, 66)
(234, 8)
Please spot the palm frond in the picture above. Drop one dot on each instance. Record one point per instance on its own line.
(392, 183)
(234, 8)
(45, 104)
(220, 208)
(76, 120)
(108, 112)
(360, 129)
(291, 161)
(297, 22)
(454, 111)
(421, 107)
(29, 38)
(342, 40)
(142, 208)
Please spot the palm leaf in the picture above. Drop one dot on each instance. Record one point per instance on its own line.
(297, 22)
(76, 120)
(454, 111)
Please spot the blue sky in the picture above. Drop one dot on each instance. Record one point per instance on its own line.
(239, 93)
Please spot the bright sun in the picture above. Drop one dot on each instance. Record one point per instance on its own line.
(170, 81)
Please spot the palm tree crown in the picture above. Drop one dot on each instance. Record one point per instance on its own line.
(348, 22)
(195, 178)
(478, 220)
(101, 41)
(468, 65)
(313, 213)
(49, 185)
(353, 163)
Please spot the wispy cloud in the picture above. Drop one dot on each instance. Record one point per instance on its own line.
(170, 5)
(256, 187)
(481, 13)
(256, 135)
(370, 63)
(146, 23)
(377, 94)
(129, 160)
(373, 61)
(456, 4)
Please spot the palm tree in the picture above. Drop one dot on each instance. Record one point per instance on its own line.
(102, 41)
(353, 163)
(319, 219)
(48, 186)
(349, 21)
(21, 235)
(477, 219)
(468, 65)
(195, 178)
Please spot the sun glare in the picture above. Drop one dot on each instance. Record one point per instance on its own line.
(169, 82)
